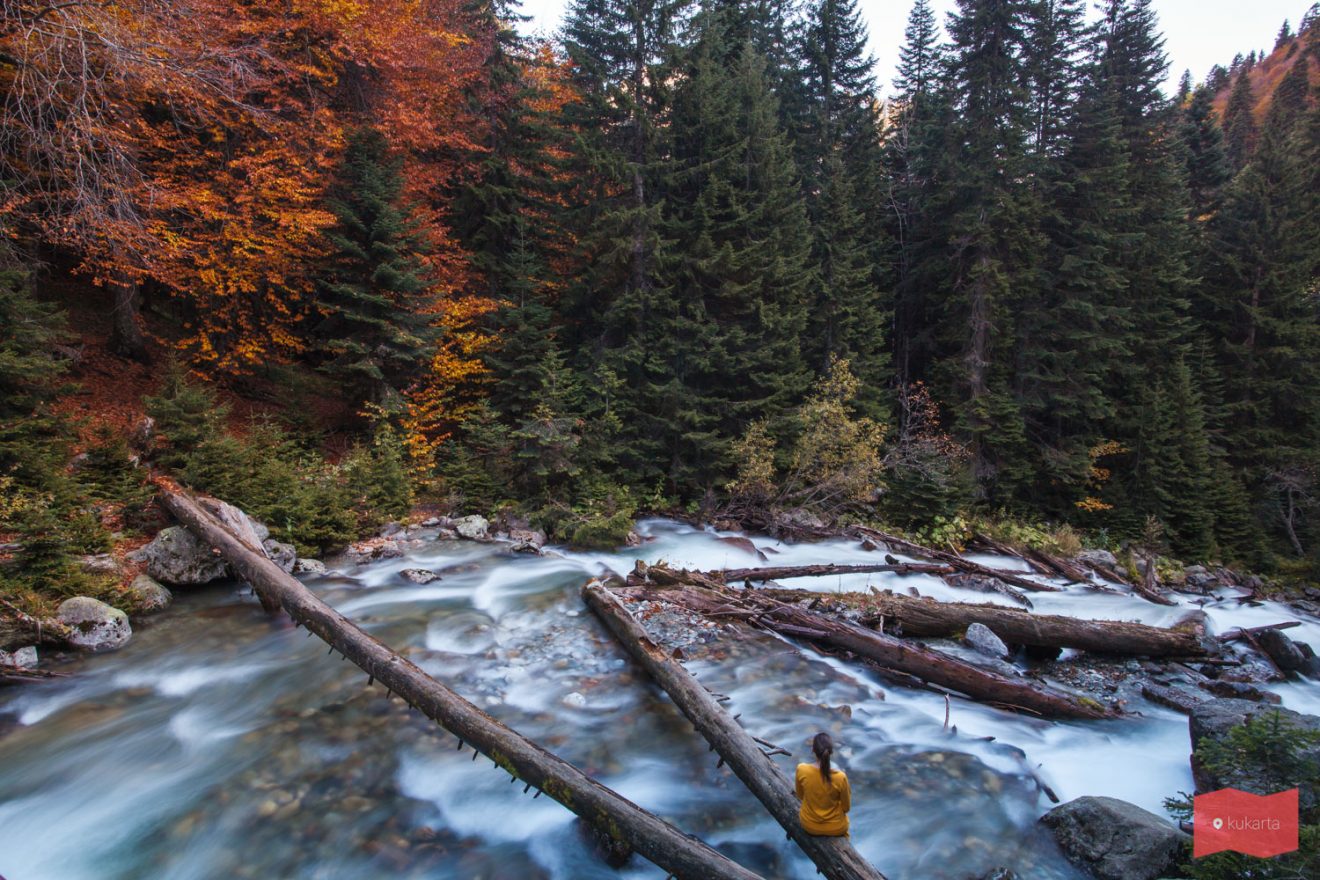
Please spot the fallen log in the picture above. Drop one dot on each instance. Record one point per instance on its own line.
(1234, 635)
(925, 663)
(930, 618)
(785, 572)
(965, 565)
(18, 629)
(1146, 587)
(602, 808)
(835, 857)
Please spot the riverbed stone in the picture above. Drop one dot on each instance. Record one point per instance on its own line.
(474, 527)
(1098, 557)
(1114, 840)
(283, 555)
(1281, 649)
(527, 540)
(94, 625)
(23, 658)
(149, 595)
(419, 575)
(176, 557)
(983, 639)
(1215, 719)
(309, 566)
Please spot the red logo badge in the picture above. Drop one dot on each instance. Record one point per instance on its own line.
(1252, 824)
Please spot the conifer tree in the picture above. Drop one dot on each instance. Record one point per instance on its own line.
(1240, 121)
(375, 333)
(1207, 160)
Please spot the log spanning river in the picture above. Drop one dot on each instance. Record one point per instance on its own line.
(219, 744)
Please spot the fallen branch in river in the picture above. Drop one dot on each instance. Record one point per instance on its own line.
(608, 812)
(786, 572)
(835, 857)
(18, 629)
(965, 565)
(888, 652)
(1234, 635)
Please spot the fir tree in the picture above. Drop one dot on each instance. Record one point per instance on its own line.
(1240, 121)
(1207, 160)
(375, 334)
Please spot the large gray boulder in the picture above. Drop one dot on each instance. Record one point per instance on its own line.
(1212, 721)
(23, 658)
(283, 555)
(1098, 557)
(148, 595)
(1282, 650)
(1115, 840)
(176, 557)
(983, 639)
(474, 527)
(94, 625)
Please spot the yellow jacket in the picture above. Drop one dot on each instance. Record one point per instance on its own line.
(824, 805)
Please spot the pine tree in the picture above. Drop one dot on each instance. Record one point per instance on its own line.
(1285, 34)
(1207, 160)
(1056, 32)
(1175, 463)
(375, 333)
(1240, 121)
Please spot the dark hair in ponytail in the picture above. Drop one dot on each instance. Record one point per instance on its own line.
(823, 747)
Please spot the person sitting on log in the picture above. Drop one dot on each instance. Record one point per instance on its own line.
(825, 794)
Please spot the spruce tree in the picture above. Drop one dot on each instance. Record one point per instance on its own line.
(1208, 170)
(1240, 121)
(375, 333)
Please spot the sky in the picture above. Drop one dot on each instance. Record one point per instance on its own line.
(1198, 33)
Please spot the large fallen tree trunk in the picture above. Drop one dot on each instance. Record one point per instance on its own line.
(605, 810)
(927, 664)
(18, 630)
(965, 565)
(835, 857)
(927, 617)
(785, 572)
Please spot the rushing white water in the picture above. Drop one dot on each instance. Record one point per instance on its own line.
(220, 744)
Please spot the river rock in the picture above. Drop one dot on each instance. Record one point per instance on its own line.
(1240, 690)
(1213, 720)
(148, 595)
(527, 540)
(309, 566)
(419, 575)
(983, 639)
(23, 658)
(95, 625)
(176, 557)
(473, 528)
(1282, 650)
(374, 548)
(283, 555)
(1115, 840)
(1098, 557)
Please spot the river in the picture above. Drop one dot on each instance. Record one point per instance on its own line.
(220, 744)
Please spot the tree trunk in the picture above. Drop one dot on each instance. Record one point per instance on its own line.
(912, 549)
(758, 609)
(18, 630)
(602, 808)
(784, 572)
(835, 857)
(927, 617)
(126, 337)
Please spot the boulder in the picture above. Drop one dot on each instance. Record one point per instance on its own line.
(23, 658)
(1282, 650)
(527, 540)
(94, 625)
(1213, 720)
(99, 563)
(983, 639)
(1240, 690)
(176, 557)
(419, 575)
(374, 548)
(282, 555)
(391, 530)
(309, 566)
(148, 595)
(473, 528)
(1098, 557)
(1115, 840)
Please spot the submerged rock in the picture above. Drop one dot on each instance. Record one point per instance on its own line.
(176, 557)
(1115, 840)
(148, 595)
(473, 528)
(94, 625)
(983, 639)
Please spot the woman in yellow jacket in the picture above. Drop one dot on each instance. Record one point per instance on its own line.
(825, 795)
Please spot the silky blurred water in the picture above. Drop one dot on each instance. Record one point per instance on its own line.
(221, 744)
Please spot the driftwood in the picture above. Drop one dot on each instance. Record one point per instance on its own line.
(927, 617)
(1041, 562)
(1147, 587)
(927, 664)
(785, 572)
(953, 559)
(605, 810)
(835, 857)
(1234, 635)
